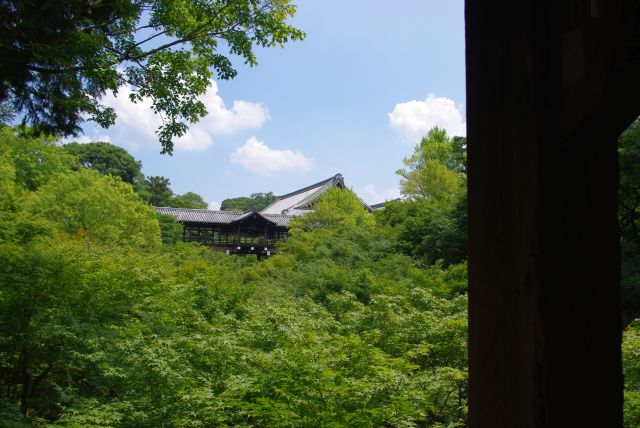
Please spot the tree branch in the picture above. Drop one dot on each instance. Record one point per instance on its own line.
(151, 38)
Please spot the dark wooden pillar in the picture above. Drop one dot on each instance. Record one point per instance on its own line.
(550, 85)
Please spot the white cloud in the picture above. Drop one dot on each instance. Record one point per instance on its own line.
(257, 157)
(242, 115)
(85, 139)
(195, 139)
(137, 123)
(413, 119)
(372, 195)
(214, 206)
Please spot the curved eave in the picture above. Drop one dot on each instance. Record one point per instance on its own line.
(250, 215)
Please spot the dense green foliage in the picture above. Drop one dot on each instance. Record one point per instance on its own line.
(629, 219)
(111, 160)
(103, 325)
(156, 190)
(107, 159)
(57, 62)
(171, 230)
(110, 213)
(255, 202)
(631, 371)
(35, 160)
(436, 168)
(188, 200)
(431, 223)
(429, 230)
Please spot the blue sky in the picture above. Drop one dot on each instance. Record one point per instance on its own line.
(353, 97)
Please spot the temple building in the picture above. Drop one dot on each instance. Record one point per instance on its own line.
(253, 232)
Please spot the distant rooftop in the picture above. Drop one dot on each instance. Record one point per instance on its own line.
(279, 213)
(299, 202)
(382, 204)
(188, 215)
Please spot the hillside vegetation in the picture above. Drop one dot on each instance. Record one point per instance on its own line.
(359, 321)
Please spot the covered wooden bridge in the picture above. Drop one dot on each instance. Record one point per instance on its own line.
(230, 231)
(254, 232)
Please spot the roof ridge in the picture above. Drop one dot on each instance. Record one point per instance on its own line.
(278, 215)
(202, 209)
(250, 213)
(337, 177)
(315, 195)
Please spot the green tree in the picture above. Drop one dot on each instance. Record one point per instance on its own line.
(336, 208)
(431, 224)
(41, 296)
(429, 230)
(241, 203)
(158, 191)
(170, 229)
(631, 371)
(35, 159)
(255, 202)
(436, 167)
(57, 62)
(96, 208)
(629, 219)
(7, 197)
(107, 159)
(188, 200)
(260, 201)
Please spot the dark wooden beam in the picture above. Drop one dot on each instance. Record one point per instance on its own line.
(549, 89)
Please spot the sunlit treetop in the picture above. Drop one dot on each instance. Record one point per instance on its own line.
(58, 59)
(436, 168)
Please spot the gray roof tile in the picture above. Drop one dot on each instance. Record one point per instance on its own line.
(187, 215)
(294, 204)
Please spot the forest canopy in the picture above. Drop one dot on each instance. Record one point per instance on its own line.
(255, 202)
(106, 326)
(359, 320)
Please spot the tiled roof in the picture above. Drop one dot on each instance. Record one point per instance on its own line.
(245, 215)
(332, 180)
(200, 216)
(276, 219)
(294, 203)
(289, 205)
(279, 219)
(187, 215)
(382, 204)
(285, 207)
